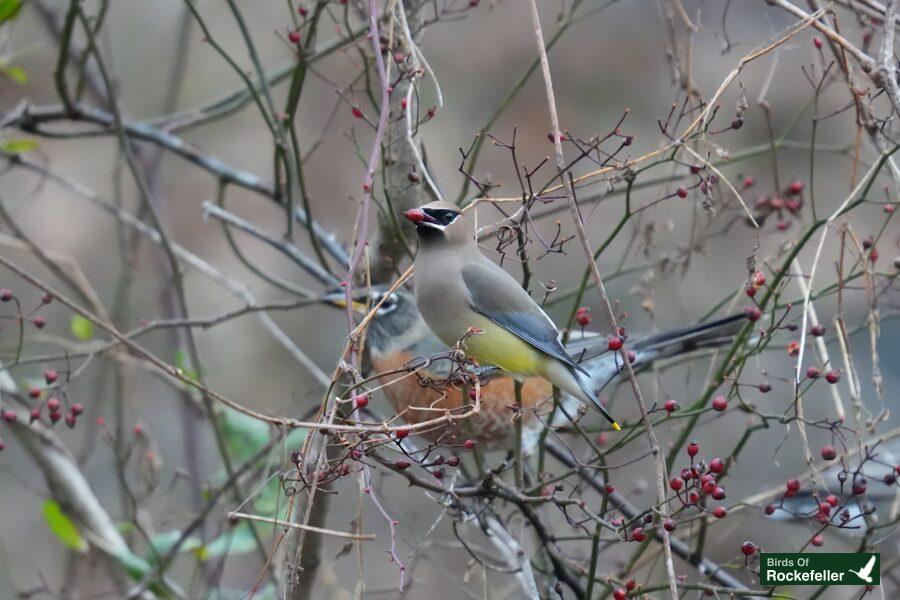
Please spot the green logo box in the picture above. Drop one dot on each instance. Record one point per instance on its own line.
(820, 568)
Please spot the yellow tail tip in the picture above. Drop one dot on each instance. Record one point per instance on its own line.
(616, 426)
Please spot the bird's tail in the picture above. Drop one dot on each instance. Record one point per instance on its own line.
(577, 382)
(673, 343)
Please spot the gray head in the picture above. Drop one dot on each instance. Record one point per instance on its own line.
(441, 223)
(396, 325)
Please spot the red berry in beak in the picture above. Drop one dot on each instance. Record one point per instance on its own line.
(415, 215)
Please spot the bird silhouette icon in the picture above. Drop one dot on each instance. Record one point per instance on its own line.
(866, 572)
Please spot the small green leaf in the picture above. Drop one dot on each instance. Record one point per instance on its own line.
(82, 329)
(244, 435)
(18, 146)
(9, 9)
(163, 543)
(63, 527)
(181, 361)
(134, 565)
(17, 74)
(238, 540)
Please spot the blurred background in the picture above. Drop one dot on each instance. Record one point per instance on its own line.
(671, 266)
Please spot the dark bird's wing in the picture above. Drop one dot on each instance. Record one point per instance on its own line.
(495, 294)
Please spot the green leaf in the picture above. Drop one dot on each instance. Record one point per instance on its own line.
(9, 9)
(238, 540)
(17, 74)
(63, 527)
(18, 146)
(244, 435)
(134, 565)
(162, 544)
(82, 329)
(181, 361)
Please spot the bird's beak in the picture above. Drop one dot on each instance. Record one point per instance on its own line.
(420, 218)
(338, 298)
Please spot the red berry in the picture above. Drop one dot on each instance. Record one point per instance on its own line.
(832, 500)
(817, 42)
(709, 487)
(302, 10)
(630, 585)
(770, 509)
(719, 512)
(34, 415)
(825, 508)
(77, 408)
(55, 416)
(829, 452)
(793, 485)
(859, 487)
(70, 420)
(50, 376)
(750, 291)
(361, 401)
(682, 192)
(765, 387)
(748, 548)
(718, 493)
(615, 343)
(749, 180)
(469, 444)
(812, 373)
(453, 461)
(5, 295)
(34, 392)
(602, 438)
(676, 483)
(832, 376)
(693, 448)
(584, 319)
(671, 406)
(401, 433)
(719, 403)
(817, 330)
(357, 112)
(817, 540)
(631, 356)
(758, 279)
(608, 488)
(53, 405)
(694, 497)
(2, 445)
(294, 37)
(39, 322)
(10, 416)
(873, 255)
(752, 313)
(401, 464)
(669, 525)
(717, 465)
(638, 535)
(795, 188)
(47, 298)
(620, 594)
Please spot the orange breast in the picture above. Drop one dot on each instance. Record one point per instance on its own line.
(493, 427)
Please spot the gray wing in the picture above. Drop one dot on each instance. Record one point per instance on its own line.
(513, 310)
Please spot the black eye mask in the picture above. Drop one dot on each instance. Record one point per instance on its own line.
(442, 216)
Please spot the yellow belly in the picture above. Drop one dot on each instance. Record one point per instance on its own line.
(496, 346)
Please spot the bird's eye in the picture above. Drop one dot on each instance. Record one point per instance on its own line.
(387, 306)
(448, 217)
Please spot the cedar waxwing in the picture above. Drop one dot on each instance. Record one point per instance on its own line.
(458, 288)
(398, 339)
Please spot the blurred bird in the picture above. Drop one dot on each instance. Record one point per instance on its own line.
(398, 339)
